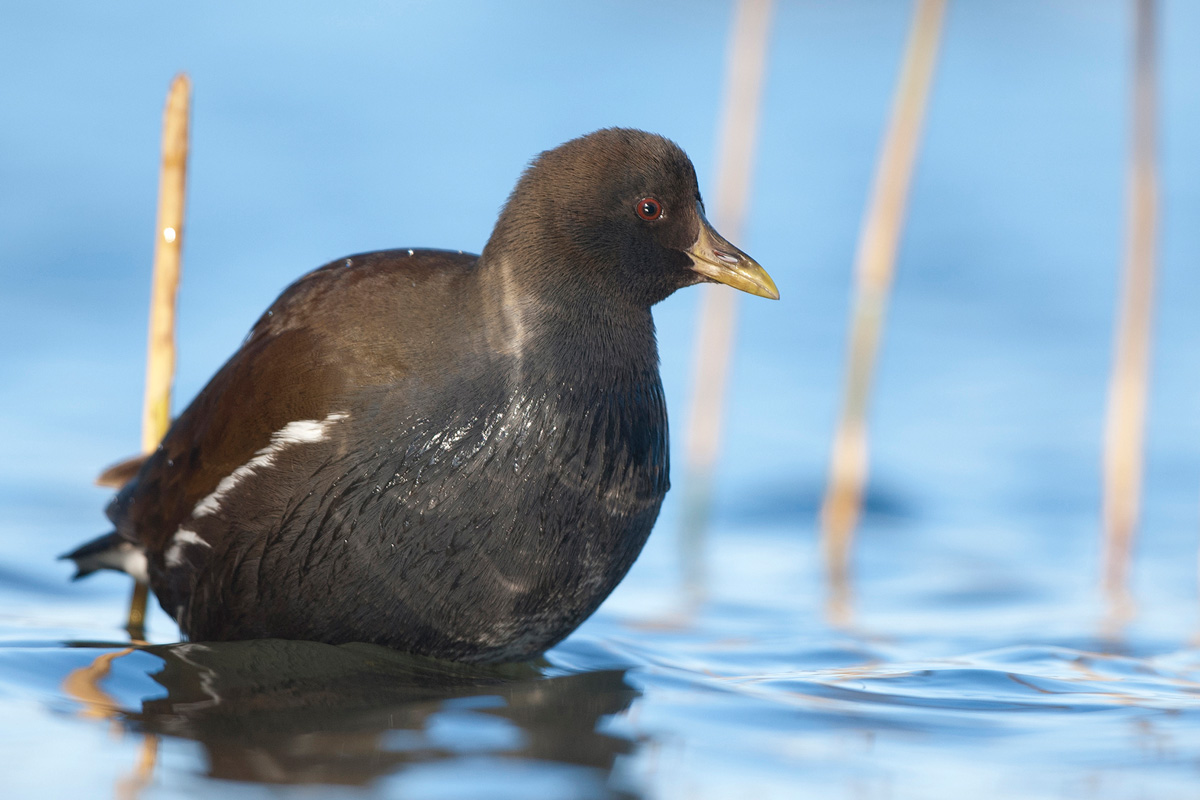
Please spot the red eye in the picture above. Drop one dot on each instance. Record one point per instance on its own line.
(649, 209)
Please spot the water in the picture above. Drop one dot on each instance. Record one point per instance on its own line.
(977, 659)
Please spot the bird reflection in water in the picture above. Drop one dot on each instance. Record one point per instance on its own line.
(288, 712)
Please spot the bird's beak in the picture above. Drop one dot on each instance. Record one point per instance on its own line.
(715, 258)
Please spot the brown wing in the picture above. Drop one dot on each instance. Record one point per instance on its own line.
(336, 329)
(114, 476)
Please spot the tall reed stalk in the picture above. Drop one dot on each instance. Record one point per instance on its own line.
(879, 239)
(745, 71)
(168, 240)
(83, 684)
(1128, 386)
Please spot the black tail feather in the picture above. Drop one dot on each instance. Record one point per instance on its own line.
(95, 555)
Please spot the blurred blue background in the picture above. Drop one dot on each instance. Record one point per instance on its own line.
(322, 131)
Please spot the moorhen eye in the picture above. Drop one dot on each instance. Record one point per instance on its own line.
(649, 209)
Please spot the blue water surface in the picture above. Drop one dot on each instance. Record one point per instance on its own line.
(978, 657)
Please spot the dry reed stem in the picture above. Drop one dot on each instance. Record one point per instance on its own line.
(1128, 386)
(168, 240)
(83, 684)
(138, 600)
(156, 411)
(874, 265)
(746, 67)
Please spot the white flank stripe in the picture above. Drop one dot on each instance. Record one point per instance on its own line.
(304, 431)
(182, 538)
(185, 536)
